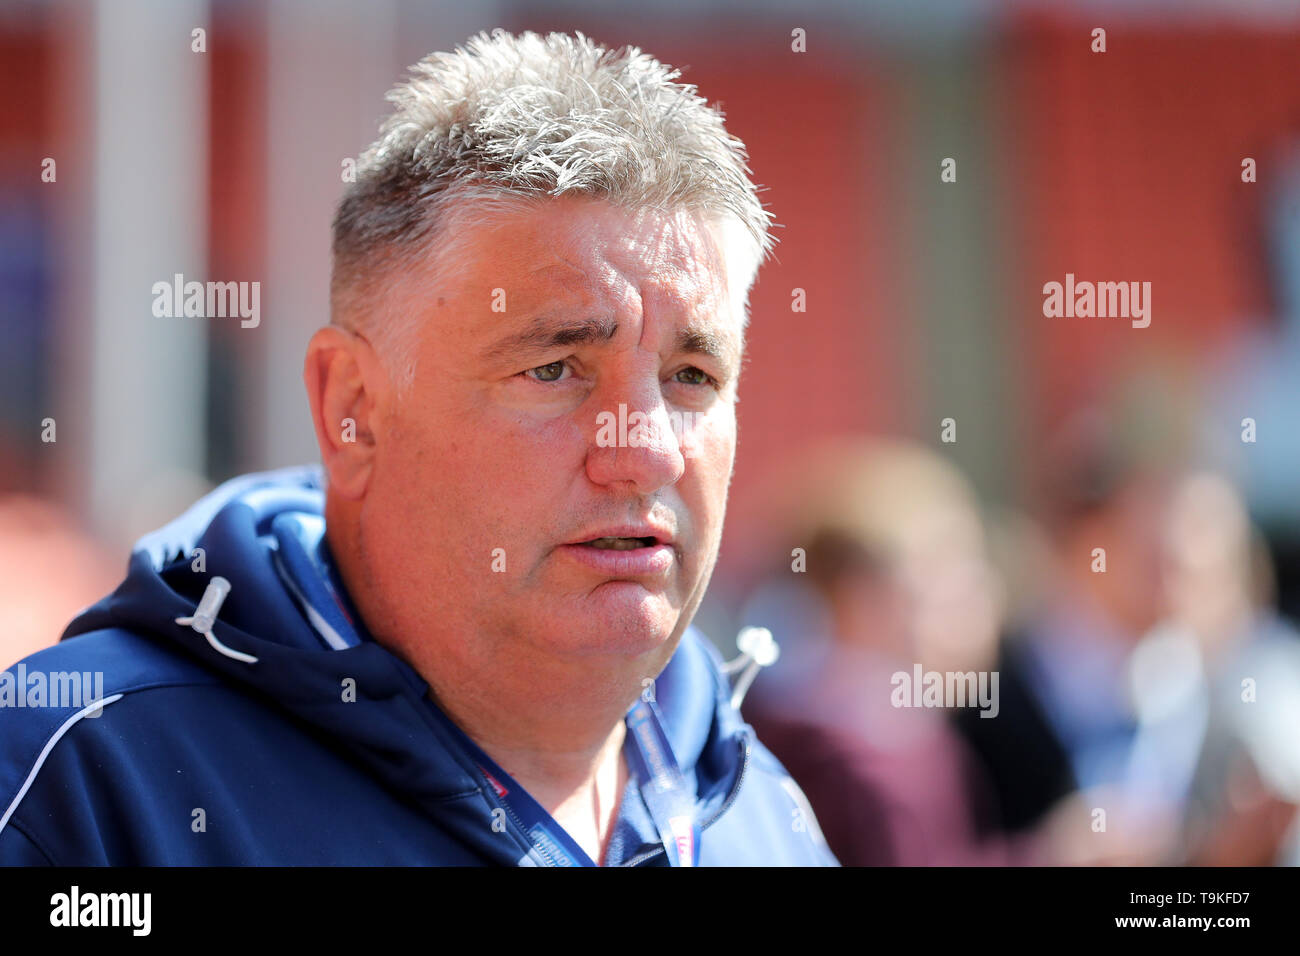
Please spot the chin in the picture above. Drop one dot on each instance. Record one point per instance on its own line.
(618, 617)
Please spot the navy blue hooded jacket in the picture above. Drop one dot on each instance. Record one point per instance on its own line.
(328, 749)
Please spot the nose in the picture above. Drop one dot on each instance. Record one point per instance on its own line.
(632, 441)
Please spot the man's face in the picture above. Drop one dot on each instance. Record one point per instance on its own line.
(576, 380)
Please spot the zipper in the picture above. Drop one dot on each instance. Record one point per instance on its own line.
(726, 804)
(519, 824)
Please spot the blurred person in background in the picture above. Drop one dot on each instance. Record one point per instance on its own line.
(1216, 686)
(1255, 387)
(1129, 668)
(897, 564)
(1068, 723)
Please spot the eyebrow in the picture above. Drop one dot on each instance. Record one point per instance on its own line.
(700, 341)
(545, 333)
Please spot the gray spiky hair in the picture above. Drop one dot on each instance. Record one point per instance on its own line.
(507, 120)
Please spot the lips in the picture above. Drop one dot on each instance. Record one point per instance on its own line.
(633, 551)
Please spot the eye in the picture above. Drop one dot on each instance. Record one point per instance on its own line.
(550, 372)
(694, 376)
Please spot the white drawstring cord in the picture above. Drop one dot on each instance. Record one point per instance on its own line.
(758, 649)
(205, 615)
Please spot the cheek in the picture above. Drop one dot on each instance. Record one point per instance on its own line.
(427, 465)
(489, 477)
(704, 487)
(710, 449)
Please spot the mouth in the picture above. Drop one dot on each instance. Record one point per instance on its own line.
(624, 556)
(620, 544)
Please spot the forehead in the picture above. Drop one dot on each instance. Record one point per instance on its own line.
(594, 254)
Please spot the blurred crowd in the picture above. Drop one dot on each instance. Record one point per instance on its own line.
(1147, 693)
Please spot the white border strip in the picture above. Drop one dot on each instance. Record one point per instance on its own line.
(49, 745)
(322, 627)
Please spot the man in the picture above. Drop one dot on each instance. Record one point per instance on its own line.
(466, 639)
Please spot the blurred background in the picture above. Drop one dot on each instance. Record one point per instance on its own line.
(927, 463)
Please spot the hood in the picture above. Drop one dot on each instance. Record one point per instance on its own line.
(264, 533)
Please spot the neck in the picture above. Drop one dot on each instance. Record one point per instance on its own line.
(552, 774)
(580, 791)
(551, 724)
(569, 758)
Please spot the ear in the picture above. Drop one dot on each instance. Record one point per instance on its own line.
(346, 387)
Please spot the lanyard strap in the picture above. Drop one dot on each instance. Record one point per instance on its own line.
(663, 785)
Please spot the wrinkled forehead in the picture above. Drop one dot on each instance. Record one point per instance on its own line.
(592, 249)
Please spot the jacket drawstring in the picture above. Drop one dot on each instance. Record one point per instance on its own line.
(205, 615)
(758, 649)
